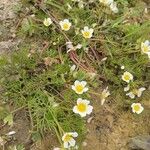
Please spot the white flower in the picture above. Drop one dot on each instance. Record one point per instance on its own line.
(81, 4)
(47, 22)
(72, 68)
(79, 46)
(87, 33)
(127, 77)
(80, 87)
(113, 7)
(136, 92)
(104, 95)
(131, 95)
(65, 24)
(69, 46)
(106, 2)
(137, 108)
(145, 47)
(140, 91)
(122, 67)
(82, 108)
(68, 139)
(127, 88)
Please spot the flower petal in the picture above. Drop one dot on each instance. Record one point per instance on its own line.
(66, 145)
(72, 142)
(83, 83)
(85, 89)
(89, 109)
(76, 82)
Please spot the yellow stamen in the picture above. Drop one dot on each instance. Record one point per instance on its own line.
(67, 138)
(65, 26)
(86, 34)
(81, 107)
(127, 77)
(135, 91)
(145, 49)
(79, 88)
(136, 107)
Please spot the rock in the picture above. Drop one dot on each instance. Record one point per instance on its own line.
(140, 142)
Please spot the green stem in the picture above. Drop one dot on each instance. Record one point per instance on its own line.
(59, 7)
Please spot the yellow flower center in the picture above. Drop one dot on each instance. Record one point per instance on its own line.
(145, 49)
(86, 34)
(81, 107)
(79, 88)
(135, 91)
(67, 138)
(65, 26)
(136, 107)
(127, 77)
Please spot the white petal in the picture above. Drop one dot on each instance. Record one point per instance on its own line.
(82, 114)
(91, 30)
(74, 134)
(133, 105)
(131, 95)
(83, 83)
(72, 142)
(79, 46)
(79, 100)
(66, 21)
(72, 68)
(89, 109)
(147, 43)
(107, 93)
(66, 145)
(86, 28)
(73, 87)
(140, 91)
(127, 88)
(85, 101)
(85, 89)
(75, 110)
(76, 82)
(102, 101)
(64, 136)
(113, 7)
(60, 23)
(141, 109)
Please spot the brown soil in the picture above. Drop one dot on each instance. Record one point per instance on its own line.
(112, 129)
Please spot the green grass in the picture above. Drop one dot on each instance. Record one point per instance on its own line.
(28, 82)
